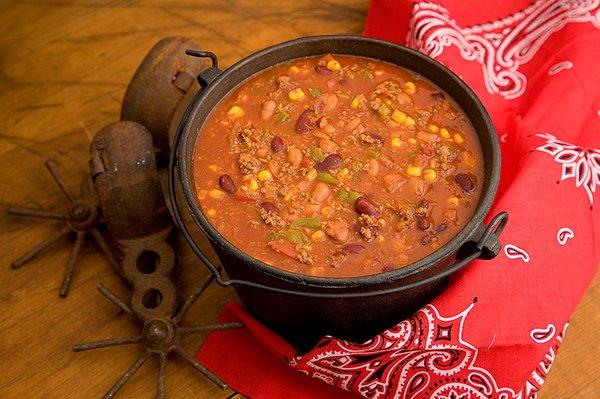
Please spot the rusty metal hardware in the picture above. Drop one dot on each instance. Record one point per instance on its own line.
(159, 337)
(159, 85)
(81, 219)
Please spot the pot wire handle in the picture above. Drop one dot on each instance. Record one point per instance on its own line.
(210, 74)
(489, 236)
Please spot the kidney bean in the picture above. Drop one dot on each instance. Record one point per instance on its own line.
(365, 206)
(277, 144)
(304, 123)
(269, 207)
(322, 70)
(423, 223)
(332, 161)
(466, 181)
(425, 204)
(353, 249)
(227, 184)
(442, 226)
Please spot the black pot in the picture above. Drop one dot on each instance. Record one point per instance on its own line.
(303, 308)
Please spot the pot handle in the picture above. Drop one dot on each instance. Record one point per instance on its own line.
(208, 75)
(487, 247)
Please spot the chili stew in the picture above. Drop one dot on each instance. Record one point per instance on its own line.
(338, 166)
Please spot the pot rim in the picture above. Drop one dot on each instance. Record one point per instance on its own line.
(186, 174)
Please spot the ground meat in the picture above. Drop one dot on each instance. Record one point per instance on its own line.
(304, 257)
(248, 163)
(367, 220)
(270, 218)
(336, 259)
(447, 154)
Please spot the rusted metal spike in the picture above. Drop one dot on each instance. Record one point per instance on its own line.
(207, 373)
(105, 248)
(128, 374)
(115, 300)
(209, 327)
(192, 298)
(35, 213)
(66, 284)
(106, 343)
(51, 166)
(33, 252)
(160, 380)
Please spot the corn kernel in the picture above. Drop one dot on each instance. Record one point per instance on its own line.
(396, 142)
(414, 171)
(398, 116)
(333, 65)
(211, 212)
(311, 175)
(264, 175)
(458, 138)
(433, 128)
(381, 222)
(444, 133)
(216, 193)
(409, 122)
(212, 167)
(294, 69)
(411, 140)
(327, 211)
(429, 174)
(454, 201)
(380, 238)
(235, 112)
(296, 94)
(344, 173)
(383, 110)
(355, 102)
(251, 183)
(317, 236)
(288, 196)
(409, 88)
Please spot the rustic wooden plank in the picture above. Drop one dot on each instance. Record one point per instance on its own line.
(64, 67)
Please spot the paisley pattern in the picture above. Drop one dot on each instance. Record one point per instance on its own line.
(513, 252)
(422, 357)
(577, 163)
(563, 235)
(501, 46)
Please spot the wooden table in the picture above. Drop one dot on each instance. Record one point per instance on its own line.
(64, 67)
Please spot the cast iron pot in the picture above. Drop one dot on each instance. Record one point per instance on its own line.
(304, 308)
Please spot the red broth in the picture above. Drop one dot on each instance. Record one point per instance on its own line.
(338, 166)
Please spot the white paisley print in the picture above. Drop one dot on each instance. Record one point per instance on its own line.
(501, 46)
(423, 357)
(578, 163)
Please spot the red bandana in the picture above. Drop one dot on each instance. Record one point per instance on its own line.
(495, 331)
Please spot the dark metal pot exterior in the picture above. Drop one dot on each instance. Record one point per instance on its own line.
(302, 320)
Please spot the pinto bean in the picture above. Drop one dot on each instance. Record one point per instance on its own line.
(466, 181)
(331, 101)
(365, 206)
(227, 184)
(417, 186)
(321, 192)
(305, 122)
(268, 109)
(327, 145)
(294, 156)
(277, 144)
(332, 161)
(339, 230)
(373, 167)
(353, 249)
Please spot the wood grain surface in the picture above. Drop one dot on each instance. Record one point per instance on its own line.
(64, 67)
